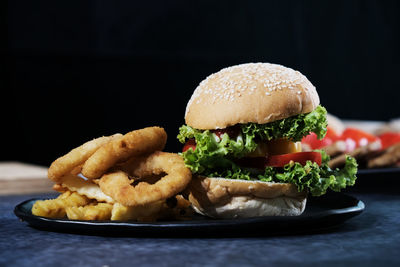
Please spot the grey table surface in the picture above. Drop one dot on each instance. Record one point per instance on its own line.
(370, 239)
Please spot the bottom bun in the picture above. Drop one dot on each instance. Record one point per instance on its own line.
(229, 198)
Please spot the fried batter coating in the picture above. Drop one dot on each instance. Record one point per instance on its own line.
(149, 212)
(142, 213)
(134, 143)
(76, 157)
(152, 195)
(55, 208)
(85, 187)
(118, 185)
(59, 188)
(181, 210)
(175, 208)
(100, 211)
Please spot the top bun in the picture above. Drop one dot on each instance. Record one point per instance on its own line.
(253, 92)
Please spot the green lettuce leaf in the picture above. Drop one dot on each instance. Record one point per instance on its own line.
(318, 179)
(293, 128)
(311, 177)
(213, 152)
(214, 156)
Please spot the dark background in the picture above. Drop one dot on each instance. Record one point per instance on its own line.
(75, 70)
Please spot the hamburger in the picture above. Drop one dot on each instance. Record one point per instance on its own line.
(242, 139)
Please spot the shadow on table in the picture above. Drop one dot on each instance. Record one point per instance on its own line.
(348, 226)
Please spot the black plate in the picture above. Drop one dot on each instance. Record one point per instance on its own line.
(386, 171)
(321, 213)
(385, 180)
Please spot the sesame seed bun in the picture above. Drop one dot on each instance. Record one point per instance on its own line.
(258, 93)
(254, 92)
(227, 198)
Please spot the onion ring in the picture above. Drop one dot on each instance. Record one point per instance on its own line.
(118, 185)
(76, 157)
(135, 143)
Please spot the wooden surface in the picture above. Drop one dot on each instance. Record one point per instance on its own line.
(23, 178)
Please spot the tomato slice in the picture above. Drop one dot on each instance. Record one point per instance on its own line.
(191, 143)
(280, 160)
(389, 139)
(358, 137)
(300, 157)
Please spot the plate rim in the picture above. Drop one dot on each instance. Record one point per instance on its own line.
(351, 211)
(378, 170)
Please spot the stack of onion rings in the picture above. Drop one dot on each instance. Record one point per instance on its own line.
(118, 185)
(121, 170)
(97, 156)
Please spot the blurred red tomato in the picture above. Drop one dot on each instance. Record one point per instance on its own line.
(389, 139)
(312, 140)
(355, 138)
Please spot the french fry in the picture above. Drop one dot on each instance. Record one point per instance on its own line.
(55, 208)
(148, 212)
(100, 211)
